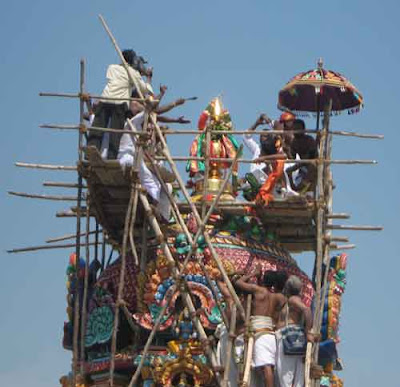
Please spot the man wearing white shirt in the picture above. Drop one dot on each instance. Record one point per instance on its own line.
(112, 113)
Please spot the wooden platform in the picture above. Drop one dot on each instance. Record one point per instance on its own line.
(109, 191)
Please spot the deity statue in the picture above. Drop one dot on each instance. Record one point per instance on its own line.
(221, 146)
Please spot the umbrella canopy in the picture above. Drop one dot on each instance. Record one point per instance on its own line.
(311, 90)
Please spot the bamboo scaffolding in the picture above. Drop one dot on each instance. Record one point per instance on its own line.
(45, 197)
(320, 240)
(181, 222)
(177, 275)
(128, 234)
(46, 166)
(198, 219)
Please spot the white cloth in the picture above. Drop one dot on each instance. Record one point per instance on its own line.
(256, 169)
(222, 348)
(119, 84)
(105, 141)
(149, 181)
(289, 369)
(265, 345)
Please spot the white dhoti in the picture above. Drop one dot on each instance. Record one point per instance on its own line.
(126, 157)
(289, 369)
(265, 343)
(222, 347)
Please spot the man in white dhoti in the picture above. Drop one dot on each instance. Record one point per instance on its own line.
(290, 369)
(264, 308)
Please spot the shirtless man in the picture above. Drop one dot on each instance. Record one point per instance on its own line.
(290, 369)
(266, 305)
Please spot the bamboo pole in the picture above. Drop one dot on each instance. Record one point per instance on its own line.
(128, 233)
(75, 354)
(45, 197)
(93, 96)
(338, 216)
(286, 161)
(62, 184)
(120, 287)
(358, 228)
(46, 247)
(85, 288)
(46, 166)
(309, 131)
(320, 245)
(232, 331)
(67, 236)
(329, 238)
(248, 348)
(334, 246)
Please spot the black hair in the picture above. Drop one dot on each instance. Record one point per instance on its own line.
(269, 278)
(129, 56)
(267, 142)
(280, 280)
(299, 124)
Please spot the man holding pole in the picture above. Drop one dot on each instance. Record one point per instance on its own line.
(265, 309)
(112, 110)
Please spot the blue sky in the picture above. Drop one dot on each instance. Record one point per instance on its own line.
(245, 50)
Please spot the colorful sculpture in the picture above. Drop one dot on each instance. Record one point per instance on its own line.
(221, 146)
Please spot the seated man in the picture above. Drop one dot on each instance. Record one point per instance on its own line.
(112, 113)
(305, 147)
(264, 308)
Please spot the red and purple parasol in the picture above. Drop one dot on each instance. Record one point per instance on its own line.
(310, 91)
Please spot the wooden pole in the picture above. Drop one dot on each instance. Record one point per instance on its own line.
(85, 288)
(46, 166)
(88, 96)
(248, 348)
(232, 331)
(358, 228)
(75, 355)
(68, 236)
(45, 197)
(62, 184)
(46, 247)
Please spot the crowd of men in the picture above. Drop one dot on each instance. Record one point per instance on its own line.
(276, 304)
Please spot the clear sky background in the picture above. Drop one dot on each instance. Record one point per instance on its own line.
(245, 50)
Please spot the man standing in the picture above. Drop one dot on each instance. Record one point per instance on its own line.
(290, 368)
(112, 112)
(265, 306)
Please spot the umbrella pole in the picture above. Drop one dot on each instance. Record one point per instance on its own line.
(318, 109)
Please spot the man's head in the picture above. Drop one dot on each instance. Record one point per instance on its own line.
(293, 286)
(280, 280)
(269, 278)
(299, 125)
(287, 119)
(129, 56)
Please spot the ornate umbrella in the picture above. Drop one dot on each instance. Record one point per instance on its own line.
(310, 91)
